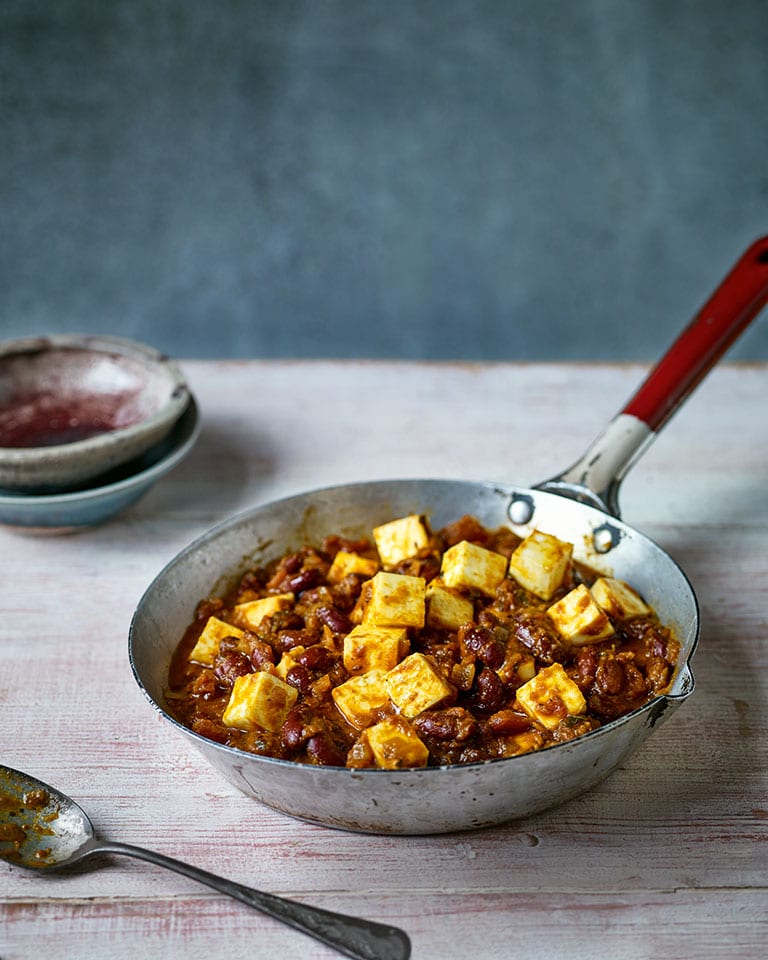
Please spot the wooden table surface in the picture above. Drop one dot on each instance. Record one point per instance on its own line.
(666, 859)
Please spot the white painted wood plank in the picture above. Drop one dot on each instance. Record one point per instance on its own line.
(708, 925)
(687, 816)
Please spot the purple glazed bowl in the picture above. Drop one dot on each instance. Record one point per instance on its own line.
(74, 406)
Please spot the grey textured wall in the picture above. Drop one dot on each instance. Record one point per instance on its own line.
(533, 179)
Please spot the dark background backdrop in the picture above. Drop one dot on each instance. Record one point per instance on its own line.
(437, 179)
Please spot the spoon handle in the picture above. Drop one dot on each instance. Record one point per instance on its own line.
(351, 936)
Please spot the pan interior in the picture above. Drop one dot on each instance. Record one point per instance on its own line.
(210, 565)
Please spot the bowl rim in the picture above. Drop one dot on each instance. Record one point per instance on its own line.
(105, 344)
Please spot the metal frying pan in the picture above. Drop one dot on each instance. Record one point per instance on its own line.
(579, 505)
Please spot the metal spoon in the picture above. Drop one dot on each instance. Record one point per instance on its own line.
(43, 829)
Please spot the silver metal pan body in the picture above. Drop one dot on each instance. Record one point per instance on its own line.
(433, 799)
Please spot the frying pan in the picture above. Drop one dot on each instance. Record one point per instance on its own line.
(579, 505)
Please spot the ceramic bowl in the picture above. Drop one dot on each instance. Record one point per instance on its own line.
(111, 492)
(75, 406)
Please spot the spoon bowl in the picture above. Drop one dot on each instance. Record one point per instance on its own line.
(40, 828)
(44, 829)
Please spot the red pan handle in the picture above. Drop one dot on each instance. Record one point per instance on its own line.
(731, 308)
(596, 477)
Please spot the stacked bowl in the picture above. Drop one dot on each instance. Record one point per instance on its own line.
(87, 425)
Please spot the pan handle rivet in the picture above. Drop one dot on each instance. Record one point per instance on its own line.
(604, 538)
(520, 510)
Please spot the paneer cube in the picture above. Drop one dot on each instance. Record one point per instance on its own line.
(578, 619)
(207, 646)
(360, 698)
(540, 563)
(346, 562)
(400, 539)
(468, 566)
(447, 609)
(251, 614)
(525, 742)
(395, 600)
(374, 648)
(618, 599)
(395, 744)
(414, 685)
(551, 696)
(259, 700)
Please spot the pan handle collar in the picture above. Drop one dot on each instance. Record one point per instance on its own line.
(596, 477)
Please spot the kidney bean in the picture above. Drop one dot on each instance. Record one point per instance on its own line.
(487, 618)
(633, 691)
(610, 677)
(289, 566)
(300, 678)
(304, 579)
(260, 653)
(229, 643)
(293, 563)
(509, 721)
(288, 639)
(316, 658)
(321, 749)
(536, 632)
(334, 619)
(454, 723)
(483, 642)
(230, 665)
(487, 694)
(295, 732)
